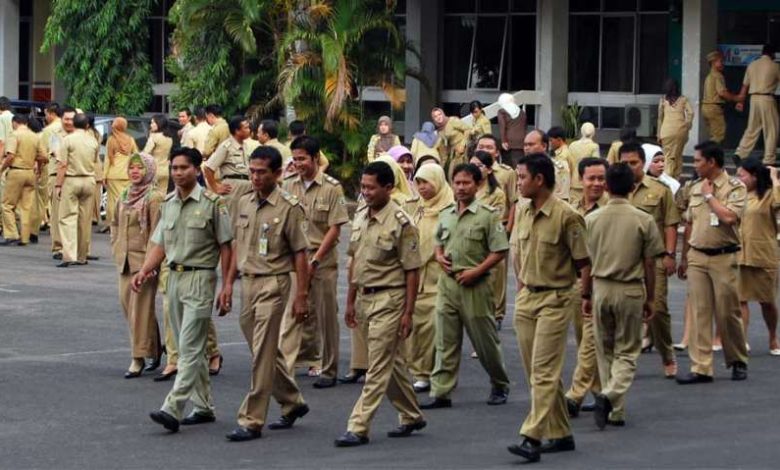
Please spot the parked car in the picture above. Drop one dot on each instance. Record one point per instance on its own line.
(33, 109)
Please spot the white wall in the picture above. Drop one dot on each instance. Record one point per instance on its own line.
(9, 48)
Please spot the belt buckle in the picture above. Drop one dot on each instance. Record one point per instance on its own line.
(179, 268)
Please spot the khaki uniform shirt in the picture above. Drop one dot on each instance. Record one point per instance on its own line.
(80, 152)
(419, 149)
(613, 155)
(469, 237)
(23, 144)
(454, 135)
(159, 146)
(383, 247)
(192, 230)
(217, 134)
(714, 84)
(6, 126)
(196, 137)
(619, 238)
(283, 149)
(372, 153)
(758, 230)
(547, 242)
(674, 119)
(184, 131)
(129, 243)
(580, 149)
(229, 159)
(496, 200)
(762, 76)
(706, 230)
(583, 210)
(507, 178)
(52, 132)
(481, 126)
(655, 198)
(324, 206)
(562, 177)
(268, 233)
(683, 198)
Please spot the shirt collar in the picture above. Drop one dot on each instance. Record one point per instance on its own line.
(385, 213)
(546, 208)
(194, 194)
(721, 180)
(272, 198)
(617, 200)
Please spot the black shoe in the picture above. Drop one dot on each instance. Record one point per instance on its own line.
(324, 382)
(57, 256)
(616, 422)
(154, 364)
(499, 323)
(497, 397)
(219, 367)
(167, 421)
(573, 408)
(34, 239)
(588, 407)
(45, 228)
(353, 377)
(422, 388)
(563, 444)
(131, 374)
(437, 403)
(406, 430)
(349, 439)
(287, 421)
(694, 378)
(601, 413)
(198, 418)
(163, 377)
(92, 258)
(11, 242)
(66, 264)
(739, 371)
(530, 449)
(241, 434)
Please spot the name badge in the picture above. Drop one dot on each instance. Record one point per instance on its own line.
(714, 221)
(262, 243)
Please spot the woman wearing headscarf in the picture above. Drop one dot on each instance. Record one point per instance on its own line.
(758, 258)
(135, 218)
(426, 142)
(402, 192)
(454, 139)
(159, 145)
(403, 156)
(675, 118)
(435, 196)
(655, 164)
(579, 149)
(512, 122)
(119, 146)
(480, 123)
(383, 140)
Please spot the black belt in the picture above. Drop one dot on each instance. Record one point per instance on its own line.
(715, 104)
(235, 177)
(762, 94)
(718, 251)
(180, 268)
(17, 168)
(374, 290)
(254, 276)
(79, 176)
(537, 289)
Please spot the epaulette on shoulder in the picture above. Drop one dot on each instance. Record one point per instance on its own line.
(210, 195)
(291, 176)
(505, 166)
(331, 179)
(402, 218)
(490, 208)
(734, 181)
(291, 198)
(170, 195)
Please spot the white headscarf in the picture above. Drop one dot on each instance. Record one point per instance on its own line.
(507, 103)
(650, 151)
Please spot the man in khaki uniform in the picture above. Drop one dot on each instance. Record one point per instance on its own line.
(623, 242)
(550, 248)
(185, 121)
(593, 174)
(60, 125)
(323, 203)
(507, 179)
(5, 133)
(270, 244)
(268, 133)
(470, 242)
(230, 160)
(384, 247)
(193, 235)
(715, 96)
(20, 156)
(77, 171)
(714, 212)
(656, 199)
(627, 134)
(563, 159)
(537, 141)
(761, 80)
(219, 131)
(198, 136)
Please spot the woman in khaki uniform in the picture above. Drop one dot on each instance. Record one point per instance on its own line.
(159, 146)
(435, 196)
(119, 147)
(758, 258)
(454, 138)
(135, 218)
(426, 142)
(383, 140)
(675, 117)
(480, 124)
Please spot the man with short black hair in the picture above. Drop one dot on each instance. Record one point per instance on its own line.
(230, 160)
(197, 136)
(762, 78)
(623, 242)
(219, 132)
(185, 121)
(268, 133)
(563, 158)
(19, 194)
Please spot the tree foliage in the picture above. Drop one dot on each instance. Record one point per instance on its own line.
(104, 64)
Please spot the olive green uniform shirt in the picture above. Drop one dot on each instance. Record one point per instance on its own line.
(192, 230)
(469, 237)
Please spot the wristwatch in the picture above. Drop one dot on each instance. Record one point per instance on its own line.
(670, 254)
(707, 197)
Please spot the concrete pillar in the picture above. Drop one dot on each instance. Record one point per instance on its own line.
(422, 30)
(9, 48)
(700, 26)
(552, 60)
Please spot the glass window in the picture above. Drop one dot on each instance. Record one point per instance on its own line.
(460, 6)
(617, 54)
(493, 6)
(24, 92)
(654, 5)
(654, 52)
(612, 118)
(584, 53)
(400, 7)
(459, 31)
(520, 64)
(451, 109)
(619, 5)
(486, 66)
(584, 5)
(589, 114)
(742, 27)
(524, 6)
(26, 8)
(25, 40)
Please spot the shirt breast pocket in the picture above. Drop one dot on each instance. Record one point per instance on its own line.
(549, 243)
(197, 230)
(242, 229)
(319, 214)
(168, 232)
(383, 250)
